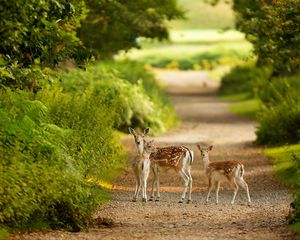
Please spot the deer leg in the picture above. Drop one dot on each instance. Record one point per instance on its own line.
(157, 187)
(153, 183)
(190, 183)
(137, 188)
(236, 188)
(186, 182)
(145, 175)
(217, 192)
(242, 183)
(144, 189)
(210, 186)
(157, 184)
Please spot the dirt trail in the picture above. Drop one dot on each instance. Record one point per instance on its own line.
(204, 119)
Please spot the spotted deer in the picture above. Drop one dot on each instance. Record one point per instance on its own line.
(217, 172)
(141, 168)
(179, 158)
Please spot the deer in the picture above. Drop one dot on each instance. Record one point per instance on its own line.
(141, 169)
(179, 158)
(224, 171)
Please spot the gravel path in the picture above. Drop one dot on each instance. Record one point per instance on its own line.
(204, 119)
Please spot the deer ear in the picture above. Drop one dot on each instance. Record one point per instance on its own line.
(131, 130)
(198, 145)
(146, 131)
(210, 148)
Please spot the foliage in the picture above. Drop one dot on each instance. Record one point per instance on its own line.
(281, 108)
(46, 152)
(285, 127)
(138, 98)
(33, 79)
(244, 79)
(287, 168)
(113, 25)
(61, 133)
(35, 32)
(276, 90)
(273, 27)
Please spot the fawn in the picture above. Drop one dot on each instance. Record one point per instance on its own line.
(180, 158)
(141, 169)
(217, 172)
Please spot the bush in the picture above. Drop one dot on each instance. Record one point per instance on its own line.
(57, 142)
(138, 98)
(244, 79)
(135, 73)
(294, 214)
(287, 165)
(278, 89)
(279, 121)
(279, 124)
(49, 144)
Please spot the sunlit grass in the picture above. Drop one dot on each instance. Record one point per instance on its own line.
(100, 182)
(201, 14)
(205, 36)
(235, 97)
(194, 49)
(283, 162)
(247, 108)
(244, 104)
(177, 51)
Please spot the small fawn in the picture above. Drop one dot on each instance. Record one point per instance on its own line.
(180, 158)
(141, 169)
(217, 172)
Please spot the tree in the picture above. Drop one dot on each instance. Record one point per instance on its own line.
(279, 37)
(113, 25)
(274, 29)
(34, 31)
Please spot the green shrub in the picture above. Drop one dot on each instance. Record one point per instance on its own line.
(91, 120)
(139, 100)
(57, 142)
(280, 123)
(278, 89)
(136, 74)
(244, 79)
(49, 144)
(287, 168)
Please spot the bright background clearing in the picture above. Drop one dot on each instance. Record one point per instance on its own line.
(198, 43)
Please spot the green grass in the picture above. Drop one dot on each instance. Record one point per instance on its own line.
(200, 42)
(193, 49)
(192, 42)
(243, 104)
(201, 15)
(283, 162)
(3, 234)
(247, 108)
(203, 36)
(235, 97)
(286, 161)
